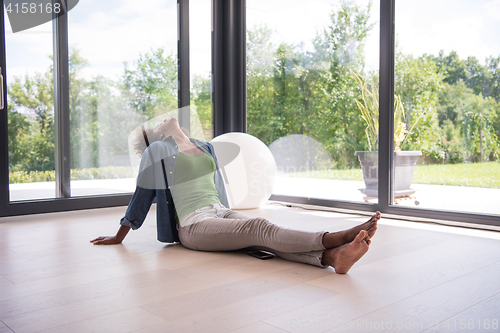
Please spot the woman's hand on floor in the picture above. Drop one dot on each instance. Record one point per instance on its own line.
(109, 240)
(106, 240)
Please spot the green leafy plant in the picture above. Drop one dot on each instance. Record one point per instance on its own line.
(369, 108)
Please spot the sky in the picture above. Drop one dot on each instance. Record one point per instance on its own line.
(113, 31)
(471, 28)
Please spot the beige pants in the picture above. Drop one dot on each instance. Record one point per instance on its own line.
(216, 228)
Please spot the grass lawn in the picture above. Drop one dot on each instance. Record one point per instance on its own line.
(466, 174)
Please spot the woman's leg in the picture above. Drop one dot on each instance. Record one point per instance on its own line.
(330, 239)
(312, 257)
(227, 230)
(227, 234)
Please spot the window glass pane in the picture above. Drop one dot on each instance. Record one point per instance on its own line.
(309, 64)
(200, 53)
(448, 93)
(30, 112)
(123, 72)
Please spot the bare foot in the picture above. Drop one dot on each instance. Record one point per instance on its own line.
(342, 258)
(334, 239)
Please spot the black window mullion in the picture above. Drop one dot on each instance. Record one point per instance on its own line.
(229, 66)
(61, 104)
(183, 62)
(386, 105)
(4, 139)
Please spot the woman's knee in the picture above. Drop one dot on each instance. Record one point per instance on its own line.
(260, 225)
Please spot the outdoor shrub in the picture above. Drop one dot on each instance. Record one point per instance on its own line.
(110, 172)
(455, 153)
(17, 177)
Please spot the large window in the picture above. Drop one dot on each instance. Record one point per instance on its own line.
(309, 64)
(447, 84)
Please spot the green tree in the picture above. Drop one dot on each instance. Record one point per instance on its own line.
(451, 66)
(151, 86)
(76, 63)
(18, 127)
(468, 124)
(261, 120)
(78, 115)
(481, 141)
(493, 67)
(453, 101)
(31, 102)
(345, 36)
(482, 79)
(418, 82)
(36, 95)
(295, 77)
(340, 124)
(478, 77)
(201, 103)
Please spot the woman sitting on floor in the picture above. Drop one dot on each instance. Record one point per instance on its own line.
(175, 168)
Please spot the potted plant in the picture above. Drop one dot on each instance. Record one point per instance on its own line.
(404, 161)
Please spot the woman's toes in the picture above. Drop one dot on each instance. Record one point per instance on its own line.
(349, 254)
(372, 231)
(360, 236)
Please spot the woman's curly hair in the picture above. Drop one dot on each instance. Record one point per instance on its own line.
(139, 139)
(143, 137)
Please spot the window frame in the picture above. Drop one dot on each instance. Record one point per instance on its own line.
(63, 200)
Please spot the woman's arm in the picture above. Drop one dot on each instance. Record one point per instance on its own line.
(116, 239)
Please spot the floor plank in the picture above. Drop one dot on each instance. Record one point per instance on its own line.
(258, 327)
(248, 311)
(5, 282)
(4, 328)
(481, 317)
(129, 320)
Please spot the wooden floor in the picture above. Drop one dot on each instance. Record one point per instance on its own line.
(415, 277)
